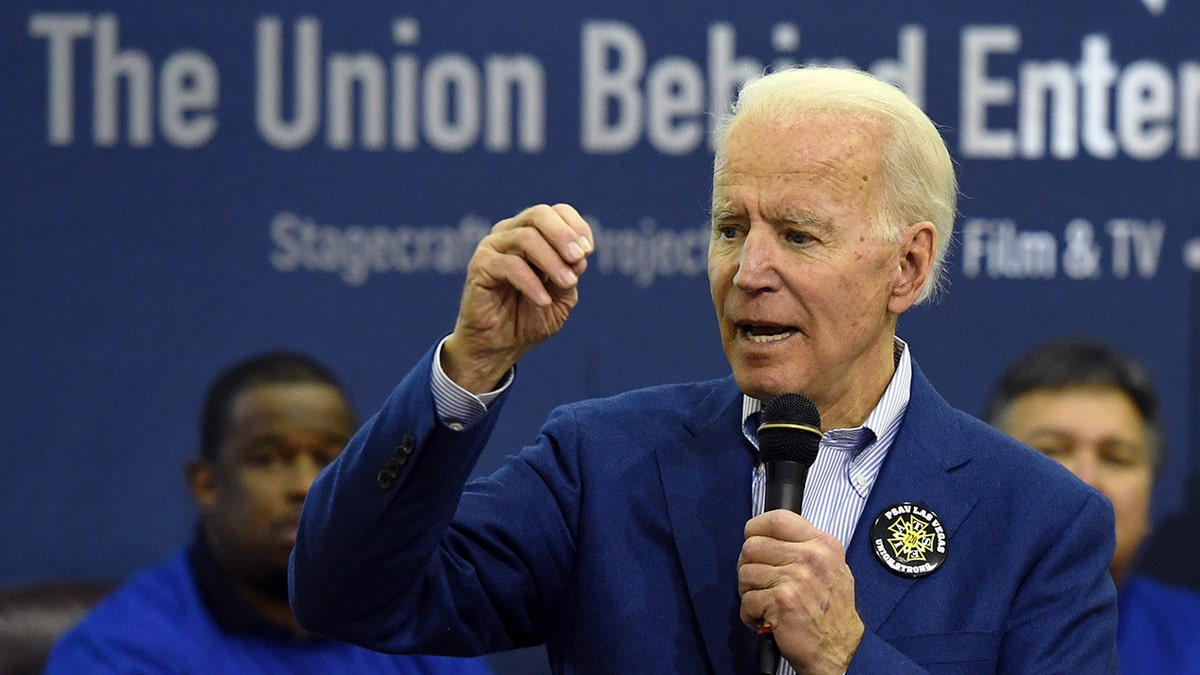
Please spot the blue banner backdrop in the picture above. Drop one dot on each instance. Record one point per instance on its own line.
(182, 185)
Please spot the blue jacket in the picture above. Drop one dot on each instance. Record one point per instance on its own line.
(158, 623)
(614, 538)
(1159, 628)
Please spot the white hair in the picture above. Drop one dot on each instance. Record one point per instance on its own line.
(918, 175)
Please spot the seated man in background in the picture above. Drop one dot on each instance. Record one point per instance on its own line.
(1096, 412)
(269, 425)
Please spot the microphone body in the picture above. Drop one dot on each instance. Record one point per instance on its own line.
(785, 485)
(788, 439)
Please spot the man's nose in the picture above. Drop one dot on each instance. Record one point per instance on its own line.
(304, 471)
(757, 265)
(1085, 465)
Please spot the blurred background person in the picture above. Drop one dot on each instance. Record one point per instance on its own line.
(1096, 411)
(220, 605)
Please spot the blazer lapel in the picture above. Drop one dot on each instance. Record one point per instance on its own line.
(708, 509)
(916, 470)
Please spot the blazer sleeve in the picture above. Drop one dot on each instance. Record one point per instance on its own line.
(373, 518)
(1064, 616)
(383, 561)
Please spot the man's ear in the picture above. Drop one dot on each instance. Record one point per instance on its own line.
(918, 247)
(202, 482)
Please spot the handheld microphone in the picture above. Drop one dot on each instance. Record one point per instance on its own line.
(788, 439)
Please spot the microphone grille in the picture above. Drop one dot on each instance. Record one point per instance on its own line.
(790, 430)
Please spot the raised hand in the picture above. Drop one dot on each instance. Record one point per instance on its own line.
(522, 283)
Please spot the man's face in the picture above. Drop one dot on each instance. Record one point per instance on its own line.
(804, 288)
(1099, 435)
(279, 437)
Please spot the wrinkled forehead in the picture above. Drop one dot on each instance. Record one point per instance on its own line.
(813, 135)
(839, 152)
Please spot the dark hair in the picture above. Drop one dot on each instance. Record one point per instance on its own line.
(1081, 362)
(276, 367)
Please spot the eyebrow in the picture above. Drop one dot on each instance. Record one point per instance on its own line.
(1064, 434)
(721, 211)
(804, 220)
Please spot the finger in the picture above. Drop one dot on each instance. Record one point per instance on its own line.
(767, 591)
(760, 550)
(495, 268)
(766, 561)
(756, 576)
(560, 225)
(755, 605)
(527, 245)
(582, 230)
(768, 606)
(783, 525)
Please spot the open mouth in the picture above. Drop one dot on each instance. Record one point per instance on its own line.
(762, 333)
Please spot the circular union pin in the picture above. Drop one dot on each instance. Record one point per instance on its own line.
(909, 540)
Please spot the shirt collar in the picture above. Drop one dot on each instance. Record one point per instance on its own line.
(229, 610)
(884, 415)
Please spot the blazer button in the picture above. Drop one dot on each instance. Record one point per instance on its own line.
(386, 478)
(406, 448)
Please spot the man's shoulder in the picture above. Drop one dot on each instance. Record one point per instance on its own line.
(1018, 463)
(665, 406)
(1141, 592)
(163, 594)
(1012, 467)
(157, 608)
(662, 396)
(1158, 624)
(977, 453)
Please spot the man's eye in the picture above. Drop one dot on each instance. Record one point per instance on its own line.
(1122, 457)
(326, 457)
(727, 231)
(263, 459)
(1049, 450)
(797, 237)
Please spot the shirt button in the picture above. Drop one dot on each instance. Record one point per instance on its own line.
(861, 480)
(455, 426)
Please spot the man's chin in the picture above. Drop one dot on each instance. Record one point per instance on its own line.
(273, 583)
(754, 383)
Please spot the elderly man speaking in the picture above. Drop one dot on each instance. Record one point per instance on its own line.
(630, 535)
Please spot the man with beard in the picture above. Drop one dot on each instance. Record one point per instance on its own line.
(269, 425)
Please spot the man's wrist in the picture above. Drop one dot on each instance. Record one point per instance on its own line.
(457, 407)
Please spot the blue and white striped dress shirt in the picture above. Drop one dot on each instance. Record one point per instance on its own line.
(457, 407)
(847, 463)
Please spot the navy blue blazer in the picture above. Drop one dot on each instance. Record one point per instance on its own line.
(613, 539)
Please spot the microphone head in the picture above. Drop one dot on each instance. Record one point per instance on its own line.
(790, 430)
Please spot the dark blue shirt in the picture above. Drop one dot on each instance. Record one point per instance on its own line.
(160, 622)
(1158, 628)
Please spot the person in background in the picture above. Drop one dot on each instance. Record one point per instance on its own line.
(1096, 411)
(632, 535)
(270, 424)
